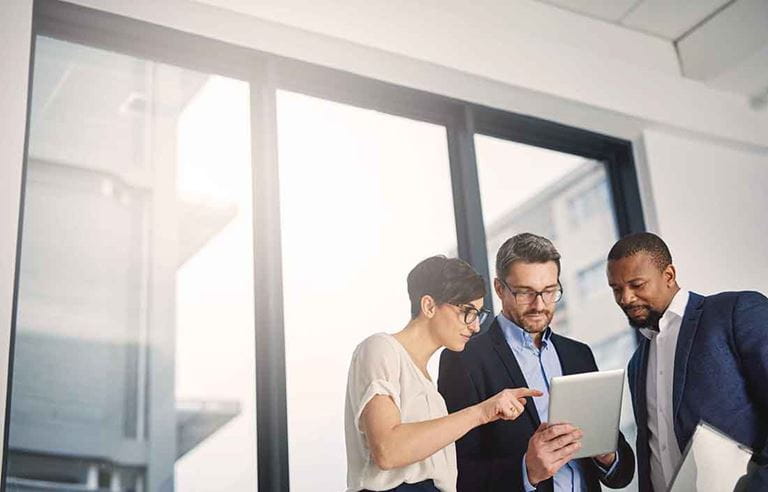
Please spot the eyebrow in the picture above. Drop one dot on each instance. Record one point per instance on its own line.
(531, 288)
(633, 279)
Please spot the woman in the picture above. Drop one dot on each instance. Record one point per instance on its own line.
(398, 431)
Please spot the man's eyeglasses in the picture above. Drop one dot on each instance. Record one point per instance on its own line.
(528, 296)
(471, 314)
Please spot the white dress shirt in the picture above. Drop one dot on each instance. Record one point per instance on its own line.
(665, 452)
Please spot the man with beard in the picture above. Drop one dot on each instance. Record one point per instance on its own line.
(520, 349)
(700, 358)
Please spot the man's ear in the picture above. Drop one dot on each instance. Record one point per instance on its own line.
(670, 275)
(428, 306)
(498, 287)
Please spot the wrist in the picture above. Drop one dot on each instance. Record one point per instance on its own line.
(479, 415)
(533, 479)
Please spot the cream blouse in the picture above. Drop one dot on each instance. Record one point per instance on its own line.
(381, 366)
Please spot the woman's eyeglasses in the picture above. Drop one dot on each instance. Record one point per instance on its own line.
(471, 313)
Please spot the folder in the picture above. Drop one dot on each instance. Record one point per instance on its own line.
(712, 462)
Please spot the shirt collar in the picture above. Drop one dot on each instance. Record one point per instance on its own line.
(518, 338)
(676, 308)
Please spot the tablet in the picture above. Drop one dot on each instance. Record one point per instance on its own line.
(592, 402)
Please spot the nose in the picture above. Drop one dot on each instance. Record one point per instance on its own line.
(474, 327)
(626, 297)
(538, 301)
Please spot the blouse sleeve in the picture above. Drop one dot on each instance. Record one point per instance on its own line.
(375, 370)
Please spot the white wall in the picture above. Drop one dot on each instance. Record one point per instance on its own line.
(711, 202)
(15, 29)
(521, 55)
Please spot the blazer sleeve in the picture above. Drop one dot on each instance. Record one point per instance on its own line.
(625, 469)
(750, 326)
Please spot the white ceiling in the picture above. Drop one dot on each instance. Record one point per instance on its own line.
(669, 19)
(723, 43)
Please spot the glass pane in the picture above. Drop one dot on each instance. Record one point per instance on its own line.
(567, 199)
(364, 197)
(134, 357)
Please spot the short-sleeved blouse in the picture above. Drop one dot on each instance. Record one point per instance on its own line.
(381, 366)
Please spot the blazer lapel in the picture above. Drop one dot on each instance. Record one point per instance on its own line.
(513, 368)
(683, 350)
(569, 363)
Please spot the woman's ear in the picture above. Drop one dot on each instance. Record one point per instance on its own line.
(428, 306)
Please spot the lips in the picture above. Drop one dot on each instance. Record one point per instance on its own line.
(535, 315)
(636, 310)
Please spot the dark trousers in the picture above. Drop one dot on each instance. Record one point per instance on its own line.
(425, 486)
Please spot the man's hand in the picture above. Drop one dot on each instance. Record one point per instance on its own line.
(549, 448)
(606, 460)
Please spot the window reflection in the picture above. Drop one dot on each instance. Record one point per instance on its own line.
(364, 197)
(134, 358)
(566, 199)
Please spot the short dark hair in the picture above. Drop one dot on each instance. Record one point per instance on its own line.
(447, 280)
(528, 248)
(646, 242)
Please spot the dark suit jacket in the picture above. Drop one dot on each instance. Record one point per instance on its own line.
(721, 377)
(490, 457)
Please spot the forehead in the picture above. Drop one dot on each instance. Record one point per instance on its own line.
(537, 275)
(638, 265)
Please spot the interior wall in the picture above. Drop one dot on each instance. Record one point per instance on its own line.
(15, 37)
(523, 56)
(711, 201)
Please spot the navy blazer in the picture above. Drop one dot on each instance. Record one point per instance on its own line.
(720, 376)
(490, 456)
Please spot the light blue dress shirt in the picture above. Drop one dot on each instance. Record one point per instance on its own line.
(539, 366)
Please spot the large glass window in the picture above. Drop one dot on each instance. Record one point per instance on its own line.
(364, 197)
(565, 198)
(134, 360)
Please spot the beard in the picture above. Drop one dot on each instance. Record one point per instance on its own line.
(651, 320)
(535, 326)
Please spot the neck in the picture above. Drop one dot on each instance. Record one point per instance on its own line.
(675, 290)
(417, 339)
(537, 338)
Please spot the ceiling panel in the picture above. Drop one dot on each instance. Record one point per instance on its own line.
(610, 10)
(670, 18)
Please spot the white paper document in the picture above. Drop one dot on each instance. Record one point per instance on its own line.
(712, 462)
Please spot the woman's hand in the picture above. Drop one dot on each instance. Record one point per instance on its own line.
(508, 404)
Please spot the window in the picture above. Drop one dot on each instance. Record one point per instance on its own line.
(134, 361)
(141, 327)
(594, 200)
(364, 197)
(591, 279)
(563, 197)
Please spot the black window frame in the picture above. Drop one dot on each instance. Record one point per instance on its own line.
(268, 73)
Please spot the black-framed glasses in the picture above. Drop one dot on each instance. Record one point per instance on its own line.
(528, 296)
(471, 313)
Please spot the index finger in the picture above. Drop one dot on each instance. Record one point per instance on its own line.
(523, 392)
